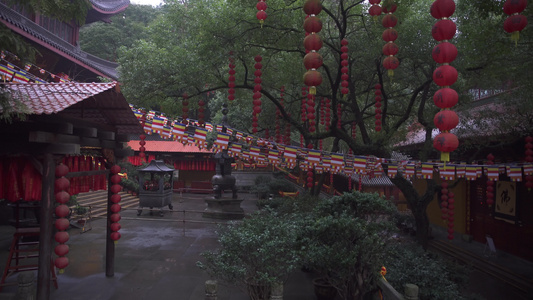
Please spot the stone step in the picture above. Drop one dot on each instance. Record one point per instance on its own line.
(97, 201)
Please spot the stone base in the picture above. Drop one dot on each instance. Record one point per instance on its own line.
(223, 208)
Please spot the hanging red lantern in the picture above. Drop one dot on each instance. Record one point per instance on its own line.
(62, 224)
(142, 142)
(442, 9)
(391, 63)
(313, 42)
(115, 236)
(390, 48)
(451, 213)
(389, 35)
(445, 98)
(389, 7)
(444, 52)
(261, 14)
(61, 170)
(443, 30)
(515, 22)
(445, 75)
(445, 142)
(389, 20)
(61, 263)
(62, 197)
(257, 91)
(115, 227)
(312, 79)
(62, 211)
(115, 217)
(374, 11)
(312, 7)
(185, 108)
(313, 60)
(312, 24)
(446, 120)
(61, 249)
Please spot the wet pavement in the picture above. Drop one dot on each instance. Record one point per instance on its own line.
(156, 259)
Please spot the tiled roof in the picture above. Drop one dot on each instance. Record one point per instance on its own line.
(111, 6)
(167, 146)
(26, 25)
(98, 103)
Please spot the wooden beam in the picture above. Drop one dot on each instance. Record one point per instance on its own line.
(89, 132)
(106, 135)
(49, 137)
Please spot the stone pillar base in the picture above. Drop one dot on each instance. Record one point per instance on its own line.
(223, 208)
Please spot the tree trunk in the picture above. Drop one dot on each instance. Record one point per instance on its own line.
(418, 205)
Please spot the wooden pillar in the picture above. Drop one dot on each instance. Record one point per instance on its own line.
(109, 244)
(46, 224)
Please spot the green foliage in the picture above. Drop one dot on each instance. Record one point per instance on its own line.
(63, 10)
(125, 30)
(262, 249)
(436, 277)
(345, 240)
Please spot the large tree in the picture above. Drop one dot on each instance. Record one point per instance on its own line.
(189, 47)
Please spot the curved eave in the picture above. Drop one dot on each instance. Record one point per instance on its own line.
(35, 33)
(110, 7)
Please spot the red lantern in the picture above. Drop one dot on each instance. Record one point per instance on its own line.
(514, 24)
(62, 211)
(312, 7)
(312, 79)
(445, 75)
(115, 169)
(389, 21)
(115, 217)
(61, 263)
(390, 35)
(61, 250)
(391, 63)
(62, 224)
(442, 9)
(443, 30)
(115, 198)
(374, 11)
(261, 14)
(116, 179)
(62, 184)
(115, 227)
(313, 60)
(444, 53)
(115, 236)
(62, 197)
(446, 120)
(445, 142)
(61, 237)
(312, 24)
(445, 98)
(116, 188)
(313, 42)
(61, 170)
(390, 8)
(390, 48)
(115, 208)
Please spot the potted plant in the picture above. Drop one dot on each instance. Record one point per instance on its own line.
(255, 254)
(345, 237)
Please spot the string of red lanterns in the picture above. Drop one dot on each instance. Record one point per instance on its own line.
(390, 35)
(312, 43)
(344, 68)
(529, 160)
(515, 22)
(451, 212)
(231, 77)
(311, 112)
(261, 15)
(115, 206)
(142, 149)
(201, 115)
(490, 183)
(304, 104)
(327, 109)
(278, 116)
(310, 172)
(377, 94)
(375, 9)
(287, 139)
(322, 111)
(62, 211)
(185, 108)
(445, 75)
(339, 115)
(257, 92)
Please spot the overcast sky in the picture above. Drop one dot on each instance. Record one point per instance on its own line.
(147, 2)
